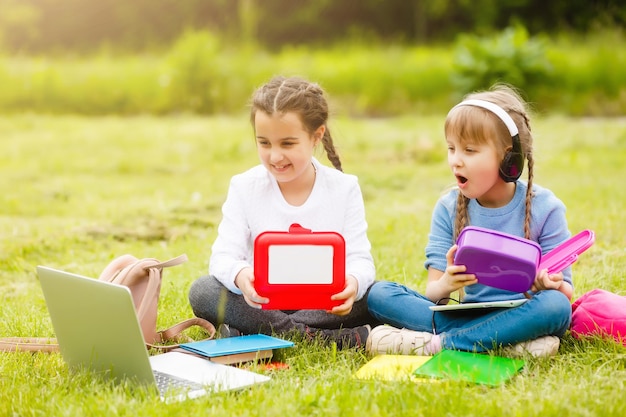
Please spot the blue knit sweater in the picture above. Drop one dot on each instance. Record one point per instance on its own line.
(548, 228)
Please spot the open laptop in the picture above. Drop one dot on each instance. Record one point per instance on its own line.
(483, 304)
(97, 329)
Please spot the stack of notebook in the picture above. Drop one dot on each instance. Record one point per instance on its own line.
(233, 350)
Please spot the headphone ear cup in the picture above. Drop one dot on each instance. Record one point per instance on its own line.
(511, 166)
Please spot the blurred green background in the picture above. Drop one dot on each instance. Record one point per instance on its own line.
(374, 57)
(122, 121)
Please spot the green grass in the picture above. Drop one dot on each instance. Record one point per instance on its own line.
(77, 191)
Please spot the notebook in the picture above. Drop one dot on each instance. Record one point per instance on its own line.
(484, 304)
(97, 329)
(391, 367)
(254, 343)
(472, 367)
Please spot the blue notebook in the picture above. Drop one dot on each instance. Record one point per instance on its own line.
(235, 345)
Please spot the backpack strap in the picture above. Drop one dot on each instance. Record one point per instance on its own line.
(28, 344)
(50, 345)
(171, 262)
(174, 333)
(127, 270)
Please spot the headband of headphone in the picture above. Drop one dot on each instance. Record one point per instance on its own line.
(513, 162)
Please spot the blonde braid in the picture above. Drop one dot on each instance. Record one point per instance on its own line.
(460, 222)
(528, 152)
(529, 196)
(461, 215)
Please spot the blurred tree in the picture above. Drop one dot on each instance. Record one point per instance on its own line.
(248, 16)
(18, 23)
(511, 56)
(82, 25)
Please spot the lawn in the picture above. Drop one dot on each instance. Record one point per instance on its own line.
(77, 191)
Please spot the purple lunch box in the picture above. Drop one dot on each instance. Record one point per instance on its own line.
(509, 262)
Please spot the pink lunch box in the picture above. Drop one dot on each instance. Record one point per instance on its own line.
(510, 262)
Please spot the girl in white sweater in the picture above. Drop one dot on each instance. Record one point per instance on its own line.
(289, 116)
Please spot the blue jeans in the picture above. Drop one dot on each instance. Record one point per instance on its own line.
(548, 312)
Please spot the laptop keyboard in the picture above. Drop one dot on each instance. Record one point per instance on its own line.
(166, 382)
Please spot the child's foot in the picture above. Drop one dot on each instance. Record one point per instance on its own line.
(542, 346)
(387, 339)
(345, 338)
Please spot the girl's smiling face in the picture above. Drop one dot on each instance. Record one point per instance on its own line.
(476, 168)
(285, 147)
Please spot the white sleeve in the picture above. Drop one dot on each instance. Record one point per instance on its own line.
(359, 261)
(231, 251)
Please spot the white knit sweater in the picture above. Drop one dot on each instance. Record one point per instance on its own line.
(254, 204)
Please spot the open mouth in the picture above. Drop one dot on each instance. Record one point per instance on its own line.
(461, 179)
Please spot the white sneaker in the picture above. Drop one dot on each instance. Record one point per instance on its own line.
(542, 346)
(390, 340)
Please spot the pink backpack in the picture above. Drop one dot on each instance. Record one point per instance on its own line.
(602, 313)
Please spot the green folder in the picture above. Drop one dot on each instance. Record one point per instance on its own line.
(478, 368)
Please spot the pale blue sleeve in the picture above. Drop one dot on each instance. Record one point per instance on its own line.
(440, 238)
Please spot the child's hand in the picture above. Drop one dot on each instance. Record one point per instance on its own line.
(545, 281)
(348, 294)
(245, 282)
(453, 277)
(442, 283)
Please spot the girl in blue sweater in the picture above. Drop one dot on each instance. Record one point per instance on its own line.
(489, 139)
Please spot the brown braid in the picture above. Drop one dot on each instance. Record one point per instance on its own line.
(331, 153)
(293, 94)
